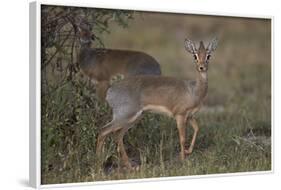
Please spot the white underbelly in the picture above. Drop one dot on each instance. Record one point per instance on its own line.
(158, 109)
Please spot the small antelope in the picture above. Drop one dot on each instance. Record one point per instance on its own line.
(177, 98)
(102, 64)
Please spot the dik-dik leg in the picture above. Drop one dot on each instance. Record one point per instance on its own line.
(121, 126)
(181, 129)
(195, 127)
(107, 129)
(120, 147)
(120, 136)
(102, 87)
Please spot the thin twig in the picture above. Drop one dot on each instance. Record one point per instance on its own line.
(57, 50)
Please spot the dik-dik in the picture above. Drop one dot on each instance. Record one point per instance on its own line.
(102, 64)
(171, 96)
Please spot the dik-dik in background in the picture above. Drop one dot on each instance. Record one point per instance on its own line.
(101, 64)
(235, 119)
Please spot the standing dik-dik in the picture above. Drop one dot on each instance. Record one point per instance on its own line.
(102, 64)
(177, 98)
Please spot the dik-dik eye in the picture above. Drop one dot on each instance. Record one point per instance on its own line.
(208, 57)
(195, 57)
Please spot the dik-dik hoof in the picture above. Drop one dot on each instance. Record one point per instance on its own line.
(187, 151)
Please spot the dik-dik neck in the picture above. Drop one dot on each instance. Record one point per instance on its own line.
(85, 45)
(84, 52)
(201, 86)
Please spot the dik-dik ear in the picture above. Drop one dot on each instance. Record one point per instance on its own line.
(77, 22)
(190, 46)
(212, 45)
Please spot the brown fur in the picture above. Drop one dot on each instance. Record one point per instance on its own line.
(103, 64)
(177, 98)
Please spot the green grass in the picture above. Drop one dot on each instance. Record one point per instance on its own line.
(235, 138)
(235, 123)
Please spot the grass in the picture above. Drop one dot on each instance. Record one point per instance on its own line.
(235, 123)
(234, 139)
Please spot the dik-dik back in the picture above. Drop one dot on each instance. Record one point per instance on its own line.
(103, 64)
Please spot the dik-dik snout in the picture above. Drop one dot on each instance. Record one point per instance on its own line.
(201, 55)
(84, 32)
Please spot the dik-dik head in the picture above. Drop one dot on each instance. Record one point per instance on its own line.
(84, 31)
(201, 55)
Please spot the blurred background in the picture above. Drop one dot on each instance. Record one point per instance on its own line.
(235, 121)
(243, 55)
